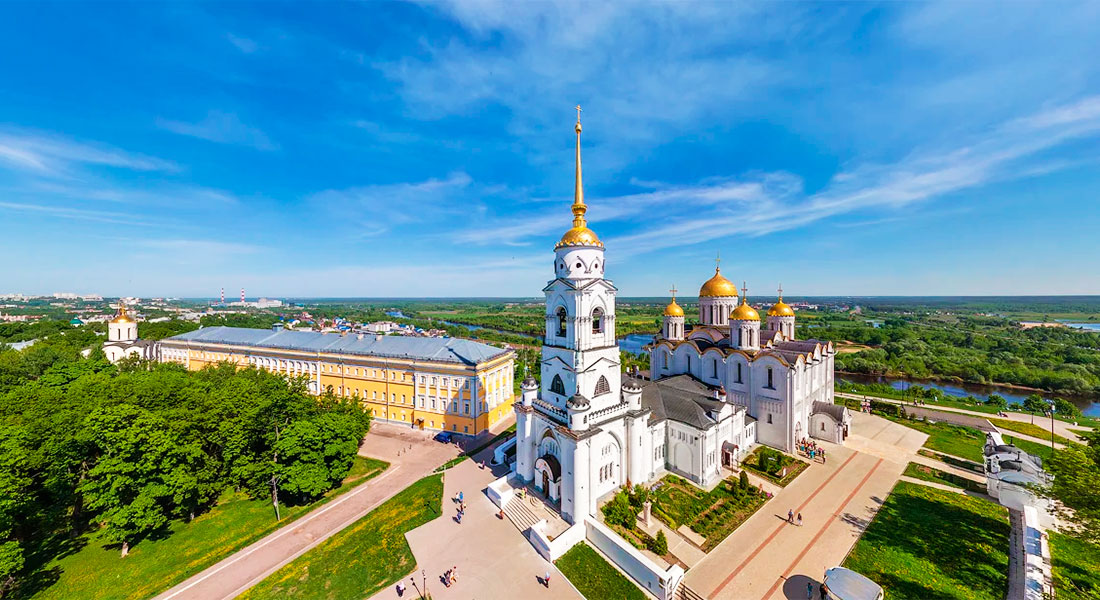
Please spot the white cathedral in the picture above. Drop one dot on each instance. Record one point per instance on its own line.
(714, 390)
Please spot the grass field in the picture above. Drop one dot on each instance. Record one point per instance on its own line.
(961, 553)
(594, 576)
(926, 473)
(1028, 429)
(1076, 566)
(98, 573)
(369, 555)
(964, 442)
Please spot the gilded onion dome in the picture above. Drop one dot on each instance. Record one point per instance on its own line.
(744, 312)
(579, 234)
(673, 309)
(718, 287)
(780, 308)
(122, 316)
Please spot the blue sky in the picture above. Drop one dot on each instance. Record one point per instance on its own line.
(374, 149)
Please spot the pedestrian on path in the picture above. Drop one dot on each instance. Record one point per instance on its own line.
(546, 580)
(809, 590)
(799, 523)
(454, 573)
(821, 588)
(790, 516)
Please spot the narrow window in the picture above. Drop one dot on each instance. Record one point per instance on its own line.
(738, 372)
(770, 384)
(561, 321)
(597, 321)
(557, 386)
(769, 418)
(602, 387)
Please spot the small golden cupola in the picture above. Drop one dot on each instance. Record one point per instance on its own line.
(780, 308)
(673, 309)
(744, 312)
(579, 234)
(122, 316)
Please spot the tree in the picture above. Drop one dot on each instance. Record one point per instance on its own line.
(619, 511)
(316, 454)
(1034, 403)
(997, 400)
(1076, 471)
(660, 544)
(1066, 408)
(127, 482)
(16, 496)
(744, 479)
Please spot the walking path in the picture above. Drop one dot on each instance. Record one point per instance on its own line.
(1066, 430)
(768, 558)
(239, 571)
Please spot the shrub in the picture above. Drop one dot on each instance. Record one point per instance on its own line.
(619, 511)
(744, 480)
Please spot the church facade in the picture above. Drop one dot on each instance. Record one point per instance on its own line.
(715, 388)
(122, 338)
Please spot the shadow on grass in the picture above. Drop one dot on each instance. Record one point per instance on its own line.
(968, 547)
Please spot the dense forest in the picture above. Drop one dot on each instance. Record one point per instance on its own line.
(123, 450)
(971, 349)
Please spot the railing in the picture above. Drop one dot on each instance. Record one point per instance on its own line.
(551, 411)
(608, 411)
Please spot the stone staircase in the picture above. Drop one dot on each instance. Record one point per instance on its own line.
(520, 514)
(1016, 557)
(683, 592)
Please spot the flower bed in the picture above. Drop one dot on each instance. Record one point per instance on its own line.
(713, 515)
(774, 466)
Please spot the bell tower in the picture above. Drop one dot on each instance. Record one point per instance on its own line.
(580, 357)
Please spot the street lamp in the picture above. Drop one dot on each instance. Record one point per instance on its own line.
(1051, 402)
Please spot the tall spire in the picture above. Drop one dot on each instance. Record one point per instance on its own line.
(579, 207)
(781, 292)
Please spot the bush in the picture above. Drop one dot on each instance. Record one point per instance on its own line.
(996, 400)
(620, 512)
(744, 484)
(659, 545)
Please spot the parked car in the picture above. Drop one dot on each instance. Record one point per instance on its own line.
(444, 436)
(846, 584)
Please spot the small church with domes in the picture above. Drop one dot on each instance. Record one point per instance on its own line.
(122, 338)
(716, 387)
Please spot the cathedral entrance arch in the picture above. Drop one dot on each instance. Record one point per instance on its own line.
(798, 432)
(549, 477)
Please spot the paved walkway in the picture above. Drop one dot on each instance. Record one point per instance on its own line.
(1066, 430)
(249, 566)
(493, 559)
(766, 558)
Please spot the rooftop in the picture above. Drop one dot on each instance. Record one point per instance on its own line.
(451, 350)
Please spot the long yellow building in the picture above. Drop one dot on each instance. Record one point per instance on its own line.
(445, 384)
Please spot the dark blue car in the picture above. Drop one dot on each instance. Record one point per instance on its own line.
(444, 436)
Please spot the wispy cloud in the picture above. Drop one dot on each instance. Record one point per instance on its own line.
(206, 247)
(64, 212)
(223, 128)
(386, 205)
(48, 154)
(242, 43)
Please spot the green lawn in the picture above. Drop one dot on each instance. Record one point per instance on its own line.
(934, 544)
(98, 573)
(926, 473)
(713, 515)
(1076, 567)
(594, 576)
(964, 442)
(368, 556)
(1028, 429)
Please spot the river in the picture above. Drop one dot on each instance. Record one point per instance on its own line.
(1013, 395)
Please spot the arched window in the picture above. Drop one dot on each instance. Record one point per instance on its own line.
(557, 386)
(597, 320)
(562, 316)
(714, 368)
(602, 387)
(771, 384)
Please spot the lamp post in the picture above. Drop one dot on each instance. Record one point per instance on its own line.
(1051, 402)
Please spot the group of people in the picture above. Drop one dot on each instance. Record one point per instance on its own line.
(461, 502)
(809, 449)
(450, 576)
(791, 518)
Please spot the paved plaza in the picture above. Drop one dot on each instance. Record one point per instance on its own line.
(767, 559)
(494, 559)
(412, 454)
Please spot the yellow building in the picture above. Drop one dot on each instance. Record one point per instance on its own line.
(445, 384)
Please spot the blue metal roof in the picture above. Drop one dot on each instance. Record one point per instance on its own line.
(388, 346)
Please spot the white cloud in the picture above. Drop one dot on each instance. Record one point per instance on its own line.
(384, 205)
(48, 154)
(223, 128)
(242, 43)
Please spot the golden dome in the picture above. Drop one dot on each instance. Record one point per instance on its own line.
(579, 236)
(744, 312)
(718, 286)
(781, 309)
(673, 309)
(123, 316)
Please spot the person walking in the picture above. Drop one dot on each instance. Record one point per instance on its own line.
(546, 580)
(799, 522)
(809, 591)
(790, 516)
(454, 573)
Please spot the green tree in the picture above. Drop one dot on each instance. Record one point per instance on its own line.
(127, 482)
(316, 454)
(619, 512)
(744, 479)
(16, 497)
(660, 544)
(1034, 403)
(1066, 409)
(1076, 470)
(997, 400)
